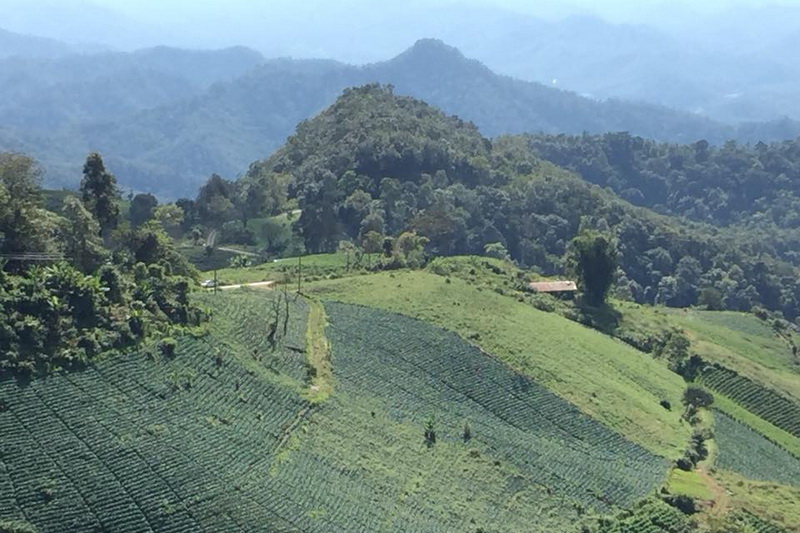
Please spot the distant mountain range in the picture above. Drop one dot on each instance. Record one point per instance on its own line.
(732, 65)
(14, 44)
(165, 119)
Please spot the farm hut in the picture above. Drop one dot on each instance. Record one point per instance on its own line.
(557, 288)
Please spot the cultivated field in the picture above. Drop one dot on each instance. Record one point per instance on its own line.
(220, 437)
(604, 378)
(768, 405)
(744, 451)
(420, 371)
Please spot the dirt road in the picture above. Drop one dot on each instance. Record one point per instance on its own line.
(257, 284)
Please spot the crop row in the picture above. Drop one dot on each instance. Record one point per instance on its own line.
(130, 447)
(648, 517)
(208, 441)
(771, 406)
(423, 371)
(255, 321)
(753, 523)
(744, 451)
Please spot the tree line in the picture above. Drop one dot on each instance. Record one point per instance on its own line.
(107, 285)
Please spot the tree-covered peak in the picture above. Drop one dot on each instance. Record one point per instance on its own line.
(373, 132)
(431, 50)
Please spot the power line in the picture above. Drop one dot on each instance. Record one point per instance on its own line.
(34, 256)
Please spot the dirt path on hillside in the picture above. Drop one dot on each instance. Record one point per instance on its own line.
(722, 500)
(257, 285)
(319, 354)
(235, 251)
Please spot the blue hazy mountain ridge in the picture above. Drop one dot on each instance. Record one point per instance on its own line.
(16, 44)
(733, 64)
(42, 94)
(161, 130)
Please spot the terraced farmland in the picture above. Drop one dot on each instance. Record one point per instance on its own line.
(217, 438)
(135, 445)
(421, 371)
(648, 517)
(744, 451)
(248, 318)
(769, 405)
(606, 379)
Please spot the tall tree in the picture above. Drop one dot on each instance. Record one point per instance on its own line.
(593, 259)
(81, 241)
(214, 202)
(24, 226)
(142, 207)
(99, 192)
(171, 217)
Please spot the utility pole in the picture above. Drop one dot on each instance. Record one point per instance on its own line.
(215, 281)
(299, 271)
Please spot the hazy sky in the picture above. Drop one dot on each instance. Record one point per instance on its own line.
(349, 30)
(616, 9)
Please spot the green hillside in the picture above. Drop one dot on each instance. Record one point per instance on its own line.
(749, 363)
(747, 344)
(604, 378)
(399, 372)
(379, 164)
(514, 416)
(219, 437)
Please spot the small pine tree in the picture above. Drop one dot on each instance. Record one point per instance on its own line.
(467, 432)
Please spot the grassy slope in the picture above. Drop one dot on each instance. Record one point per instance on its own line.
(746, 344)
(604, 378)
(770, 501)
(285, 270)
(689, 484)
(737, 341)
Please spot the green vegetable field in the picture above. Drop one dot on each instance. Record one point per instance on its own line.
(648, 517)
(417, 430)
(135, 445)
(769, 405)
(247, 319)
(219, 437)
(746, 452)
(422, 371)
(605, 378)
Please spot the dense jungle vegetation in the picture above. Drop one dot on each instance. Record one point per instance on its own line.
(79, 282)
(376, 166)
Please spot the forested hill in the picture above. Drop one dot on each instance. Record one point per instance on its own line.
(41, 94)
(188, 132)
(377, 165)
(15, 44)
(731, 184)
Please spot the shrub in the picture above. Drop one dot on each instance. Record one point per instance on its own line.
(430, 432)
(697, 397)
(168, 346)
